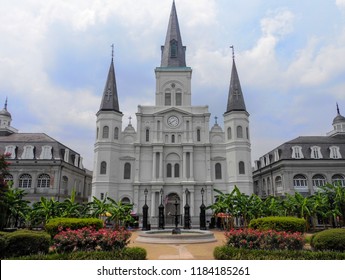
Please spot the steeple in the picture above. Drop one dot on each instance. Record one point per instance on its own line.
(173, 52)
(110, 100)
(235, 98)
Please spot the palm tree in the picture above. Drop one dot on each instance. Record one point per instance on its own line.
(120, 213)
(45, 209)
(70, 208)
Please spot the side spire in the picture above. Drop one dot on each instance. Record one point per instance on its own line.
(235, 97)
(173, 52)
(110, 100)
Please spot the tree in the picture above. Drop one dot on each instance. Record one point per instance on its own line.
(120, 213)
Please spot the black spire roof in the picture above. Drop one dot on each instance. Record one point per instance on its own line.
(173, 52)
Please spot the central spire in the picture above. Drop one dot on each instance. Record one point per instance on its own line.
(173, 52)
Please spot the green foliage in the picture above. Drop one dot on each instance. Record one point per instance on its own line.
(55, 225)
(279, 224)
(231, 253)
(25, 242)
(331, 239)
(127, 253)
(2, 246)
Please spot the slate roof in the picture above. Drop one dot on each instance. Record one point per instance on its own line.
(38, 140)
(173, 34)
(235, 97)
(110, 100)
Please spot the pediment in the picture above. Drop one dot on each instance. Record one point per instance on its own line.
(173, 110)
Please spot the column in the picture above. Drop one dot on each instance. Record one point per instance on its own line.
(192, 202)
(153, 165)
(136, 199)
(192, 165)
(184, 166)
(161, 166)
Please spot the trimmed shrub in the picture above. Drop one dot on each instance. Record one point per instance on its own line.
(268, 240)
(292, 224)
(54, 226)
(330, 239)
(89, 239)
(26, 242)
(127, 253)
(231, 253)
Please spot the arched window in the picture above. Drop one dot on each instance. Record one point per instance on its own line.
(8, 178)
(229, 133)
(105, 133)
(178, 98)
(97, 133)
(300, 182)
(218, 171)
(127, 171)
(338, 179)
(43, 181)
(247, 132)
(116, 133)
(241, 168)
(318, 181)
(198, 135)
(173, 49)
(278, 182)
(173, 138)
(125, 200)
(169, 171)
(103, 169)
(239, 132)
(25, 181)
(176, 170)
(147, 135)
(167, 98)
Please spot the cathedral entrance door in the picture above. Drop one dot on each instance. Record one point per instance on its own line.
(170, 209)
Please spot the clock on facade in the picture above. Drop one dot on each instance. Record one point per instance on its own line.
(173, 121)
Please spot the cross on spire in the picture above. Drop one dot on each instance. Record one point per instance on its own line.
(233, 51)
(130, 120)
(216, 119)
(108, 94)
(112, 51)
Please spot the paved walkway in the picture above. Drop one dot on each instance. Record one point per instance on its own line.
(202, 251)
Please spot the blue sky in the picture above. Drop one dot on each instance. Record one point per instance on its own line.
(290, 56)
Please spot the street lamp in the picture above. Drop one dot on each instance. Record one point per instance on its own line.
(202, 211)
(161, 212)
(187, 211)
(145, 212)
(176, 230)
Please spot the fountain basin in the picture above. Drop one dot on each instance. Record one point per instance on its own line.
(166, 237)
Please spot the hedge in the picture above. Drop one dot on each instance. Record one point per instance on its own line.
(54, 226)
(25, 242)
(128, 253)
(330, 239)
(231, 253)
(292, 224)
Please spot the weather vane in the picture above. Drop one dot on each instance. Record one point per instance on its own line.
(233, 51)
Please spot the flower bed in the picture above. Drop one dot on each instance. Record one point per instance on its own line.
(267, 240)
(89, 239)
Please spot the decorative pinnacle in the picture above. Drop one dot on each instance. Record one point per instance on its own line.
(216, 118)
(338, 111)
(233, 51)
(6, 103)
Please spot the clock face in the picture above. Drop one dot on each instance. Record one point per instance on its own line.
(173, 121)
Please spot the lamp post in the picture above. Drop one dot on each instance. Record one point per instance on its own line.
(202, 211)
(176, 230)
(187, 212)
(145, 212)
(161, 212)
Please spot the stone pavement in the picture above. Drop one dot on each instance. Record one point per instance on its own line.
(202, 251)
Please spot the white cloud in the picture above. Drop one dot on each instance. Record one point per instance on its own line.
(340, 4)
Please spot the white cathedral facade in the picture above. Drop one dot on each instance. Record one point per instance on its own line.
(173, 156)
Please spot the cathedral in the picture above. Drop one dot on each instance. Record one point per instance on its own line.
(173, 158)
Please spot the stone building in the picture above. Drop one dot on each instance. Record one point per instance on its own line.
(42, 166)
(173, 153)
(303, 164)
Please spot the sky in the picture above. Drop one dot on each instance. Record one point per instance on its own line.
(55, 56)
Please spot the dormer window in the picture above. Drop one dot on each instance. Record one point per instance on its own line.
(297, 152)
(28, 152)
(276, 155)
(315, 152)
(46, 152)
(173, 49)
(12, 151)
(334, 152)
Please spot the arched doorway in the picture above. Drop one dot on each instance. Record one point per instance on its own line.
(170, 209)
